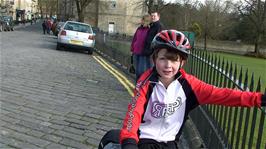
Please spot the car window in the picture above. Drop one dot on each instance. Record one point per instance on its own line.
(69, 27)
(6, 18)
(78, 27)
(61, 23)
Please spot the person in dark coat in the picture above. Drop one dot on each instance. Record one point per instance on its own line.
(44, 27)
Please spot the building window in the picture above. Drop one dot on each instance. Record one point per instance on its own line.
(113, 4)
(111, 27)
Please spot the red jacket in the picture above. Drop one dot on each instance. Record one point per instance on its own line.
(158, 113)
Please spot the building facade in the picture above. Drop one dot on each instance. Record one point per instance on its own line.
(120, 16)
(113, 16)
(19, 9)
(6, 7)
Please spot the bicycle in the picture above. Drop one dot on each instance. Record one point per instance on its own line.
(110, 140)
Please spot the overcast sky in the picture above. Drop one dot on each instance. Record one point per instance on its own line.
(202, 1)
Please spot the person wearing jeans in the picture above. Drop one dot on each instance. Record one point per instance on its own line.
(137, 46)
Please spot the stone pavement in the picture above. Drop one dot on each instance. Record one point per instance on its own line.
(54, 99)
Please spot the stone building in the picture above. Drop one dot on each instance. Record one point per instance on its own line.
(19, 9)
(6, 7)
(113, 16)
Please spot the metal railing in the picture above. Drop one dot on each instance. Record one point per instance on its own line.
(115, 46)
(219, 126)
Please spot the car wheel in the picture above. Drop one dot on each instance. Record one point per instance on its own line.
(90, 51)
(58, 46)
(12, 29)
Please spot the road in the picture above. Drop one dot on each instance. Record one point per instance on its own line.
(54, 99)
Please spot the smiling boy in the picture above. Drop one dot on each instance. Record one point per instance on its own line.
(165, 94)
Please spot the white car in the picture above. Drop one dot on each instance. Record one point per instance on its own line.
(76, 35)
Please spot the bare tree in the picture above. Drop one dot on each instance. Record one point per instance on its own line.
(151, 5)
(255, 10)
(40, 6)
(81, 6)
(48, 7)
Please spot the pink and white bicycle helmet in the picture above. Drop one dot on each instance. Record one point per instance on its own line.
(171, 39)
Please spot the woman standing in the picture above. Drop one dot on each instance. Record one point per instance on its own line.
(137, 45)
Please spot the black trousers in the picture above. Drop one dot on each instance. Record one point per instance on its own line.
(152, 144)
(44, 30)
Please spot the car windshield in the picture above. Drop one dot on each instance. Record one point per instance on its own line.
(78, 27)
(61, 23)
(6, 18)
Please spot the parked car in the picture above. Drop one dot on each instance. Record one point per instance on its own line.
(7, 24)
(76, 35)
(2, 23)
(58, 27)
(95, 29)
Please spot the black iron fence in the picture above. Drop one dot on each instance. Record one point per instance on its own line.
(219, 126)
(227, 127)
(115, 46)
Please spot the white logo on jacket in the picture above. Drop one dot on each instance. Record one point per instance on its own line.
(160, 110)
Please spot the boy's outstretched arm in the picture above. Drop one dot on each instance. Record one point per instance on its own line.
(209, 94)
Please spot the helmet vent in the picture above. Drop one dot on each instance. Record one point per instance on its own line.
(184, 42)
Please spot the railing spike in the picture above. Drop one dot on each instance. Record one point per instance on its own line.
(234, 76)
(226, 73)
(231, 69)
(229, 83)
(252, 82)
(221, 72)
(246, 81)
(240, 77)
(258, 85)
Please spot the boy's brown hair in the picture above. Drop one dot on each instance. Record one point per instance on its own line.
(171, 54)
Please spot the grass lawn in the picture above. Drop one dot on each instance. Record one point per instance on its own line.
(255, 65)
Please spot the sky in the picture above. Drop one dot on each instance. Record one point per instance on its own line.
(202, 1)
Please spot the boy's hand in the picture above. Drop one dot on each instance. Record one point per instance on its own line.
(129, 146)
(129, 143)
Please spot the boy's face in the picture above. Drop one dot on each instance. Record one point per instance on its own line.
(166, 68)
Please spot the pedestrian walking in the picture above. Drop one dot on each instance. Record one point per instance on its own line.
(44, 26)
(137, 46)
(48, 25)
(53, 28)
(155, 27)
(32, 18)
(165, 94)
